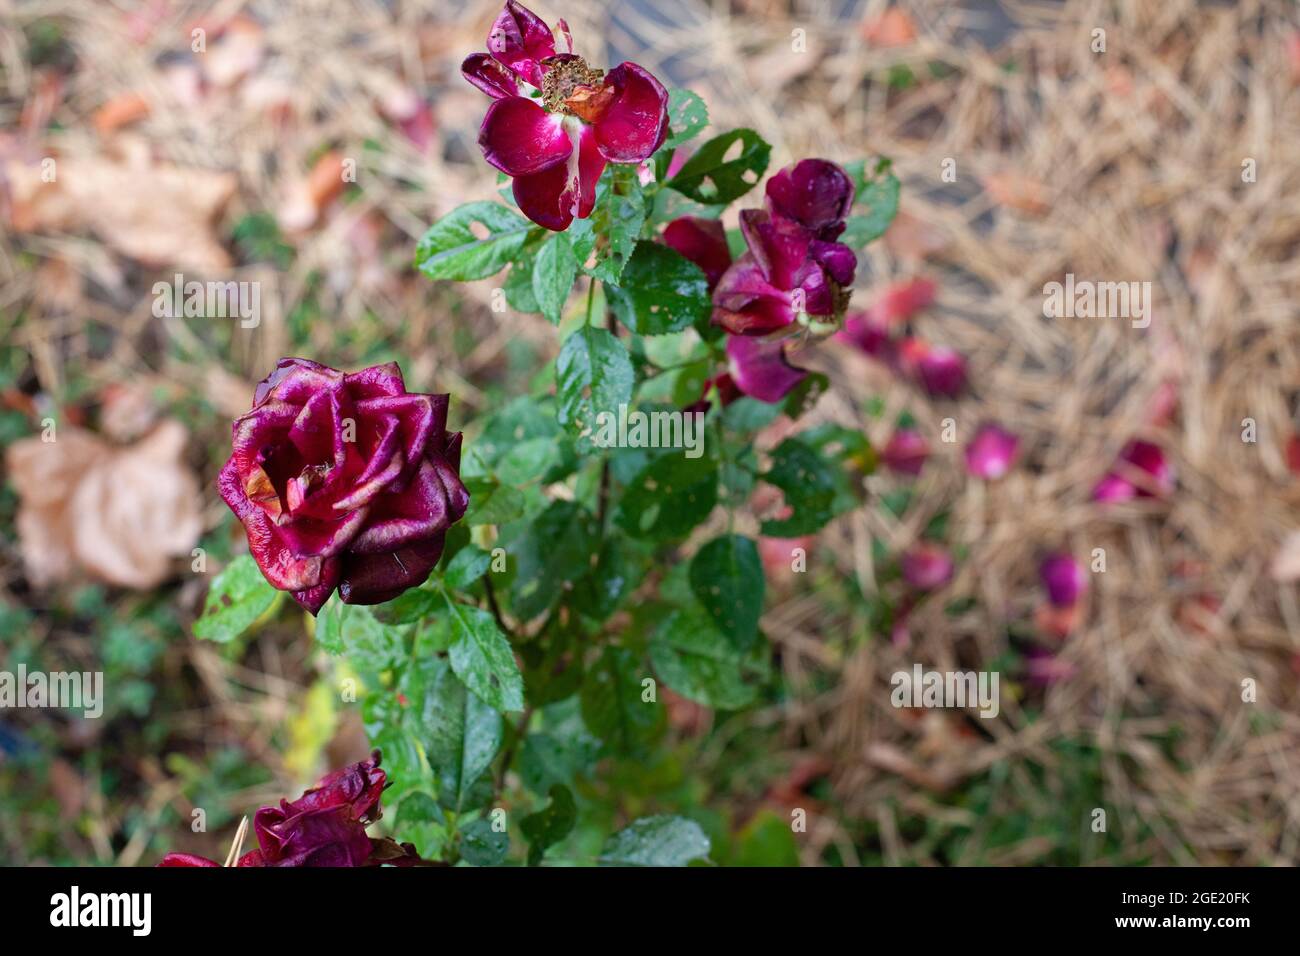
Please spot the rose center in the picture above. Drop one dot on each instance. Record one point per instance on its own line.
(571, 87)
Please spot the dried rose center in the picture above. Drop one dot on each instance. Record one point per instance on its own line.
(571, 87)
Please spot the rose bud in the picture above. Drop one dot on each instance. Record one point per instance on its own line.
(940, 370)
(555, 121)
(813, 195)
(761, 369)
(344, 480)
(906, 452)
(991, 453)
(1063, 578)
(703, 242)
(1142, 472)
(926, 566)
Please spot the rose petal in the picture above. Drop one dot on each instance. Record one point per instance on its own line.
(703, 242)
(554, 197)
(635, 124)
(906, 452)
(991, 453)
(761, 369)
(490, 75)
(376, 578)
(746, 303)
(520, 138)
(926, 567)
(521, 40)
(1063, 578)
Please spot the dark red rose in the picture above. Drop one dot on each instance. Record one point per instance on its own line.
(555, 122)
(326, 826)
(344, 480)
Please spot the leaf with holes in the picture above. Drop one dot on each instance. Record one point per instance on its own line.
(669, 496)
(879, 191)
(714, 177)
(687, 116)
(473, 241)
(809, 487)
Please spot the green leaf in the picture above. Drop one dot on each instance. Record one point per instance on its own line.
(491, 502)
(696, 660)
(553, 273)
(451, 250)
(481, 845)
(549, 826)
(328, 633)
(669, 497)
(612, 705)
(656, 841)
(809, 487)
(409, 606)
(659, 292)
(878, 190)
(617, 218)
(547, 759)
(593, 377)
(553, 553)
(481, 657)
(470, 564)
(462, 734)
(727, 578)
(687, 116)
(238, 597)
(709, 177)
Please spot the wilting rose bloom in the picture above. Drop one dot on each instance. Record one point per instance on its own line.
(555, 121)
(326, 826)
(793, 270)
(938, 369)
(757, 368)
(906, 451)
(991, 453)
(926, 566)
(1063, 578)
(344, 480)
(1142, 472)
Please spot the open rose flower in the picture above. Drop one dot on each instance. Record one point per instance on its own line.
(555, 121)
(791, 273)
(326, 826)
(755, 367)
(344, 480)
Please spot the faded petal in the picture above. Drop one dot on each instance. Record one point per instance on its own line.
(746, 303)
(926, 567)
(906, 452)
(521, 40)
(635, 123)
(490, 75)
(520, 138)
(1063, 578)
(991, 452)
(761, 369)
(376, 578)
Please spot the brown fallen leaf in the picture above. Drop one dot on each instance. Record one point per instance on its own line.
(120, 514)
(1017, 192)
(308, 197)
(158, 214)
(121, 110)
